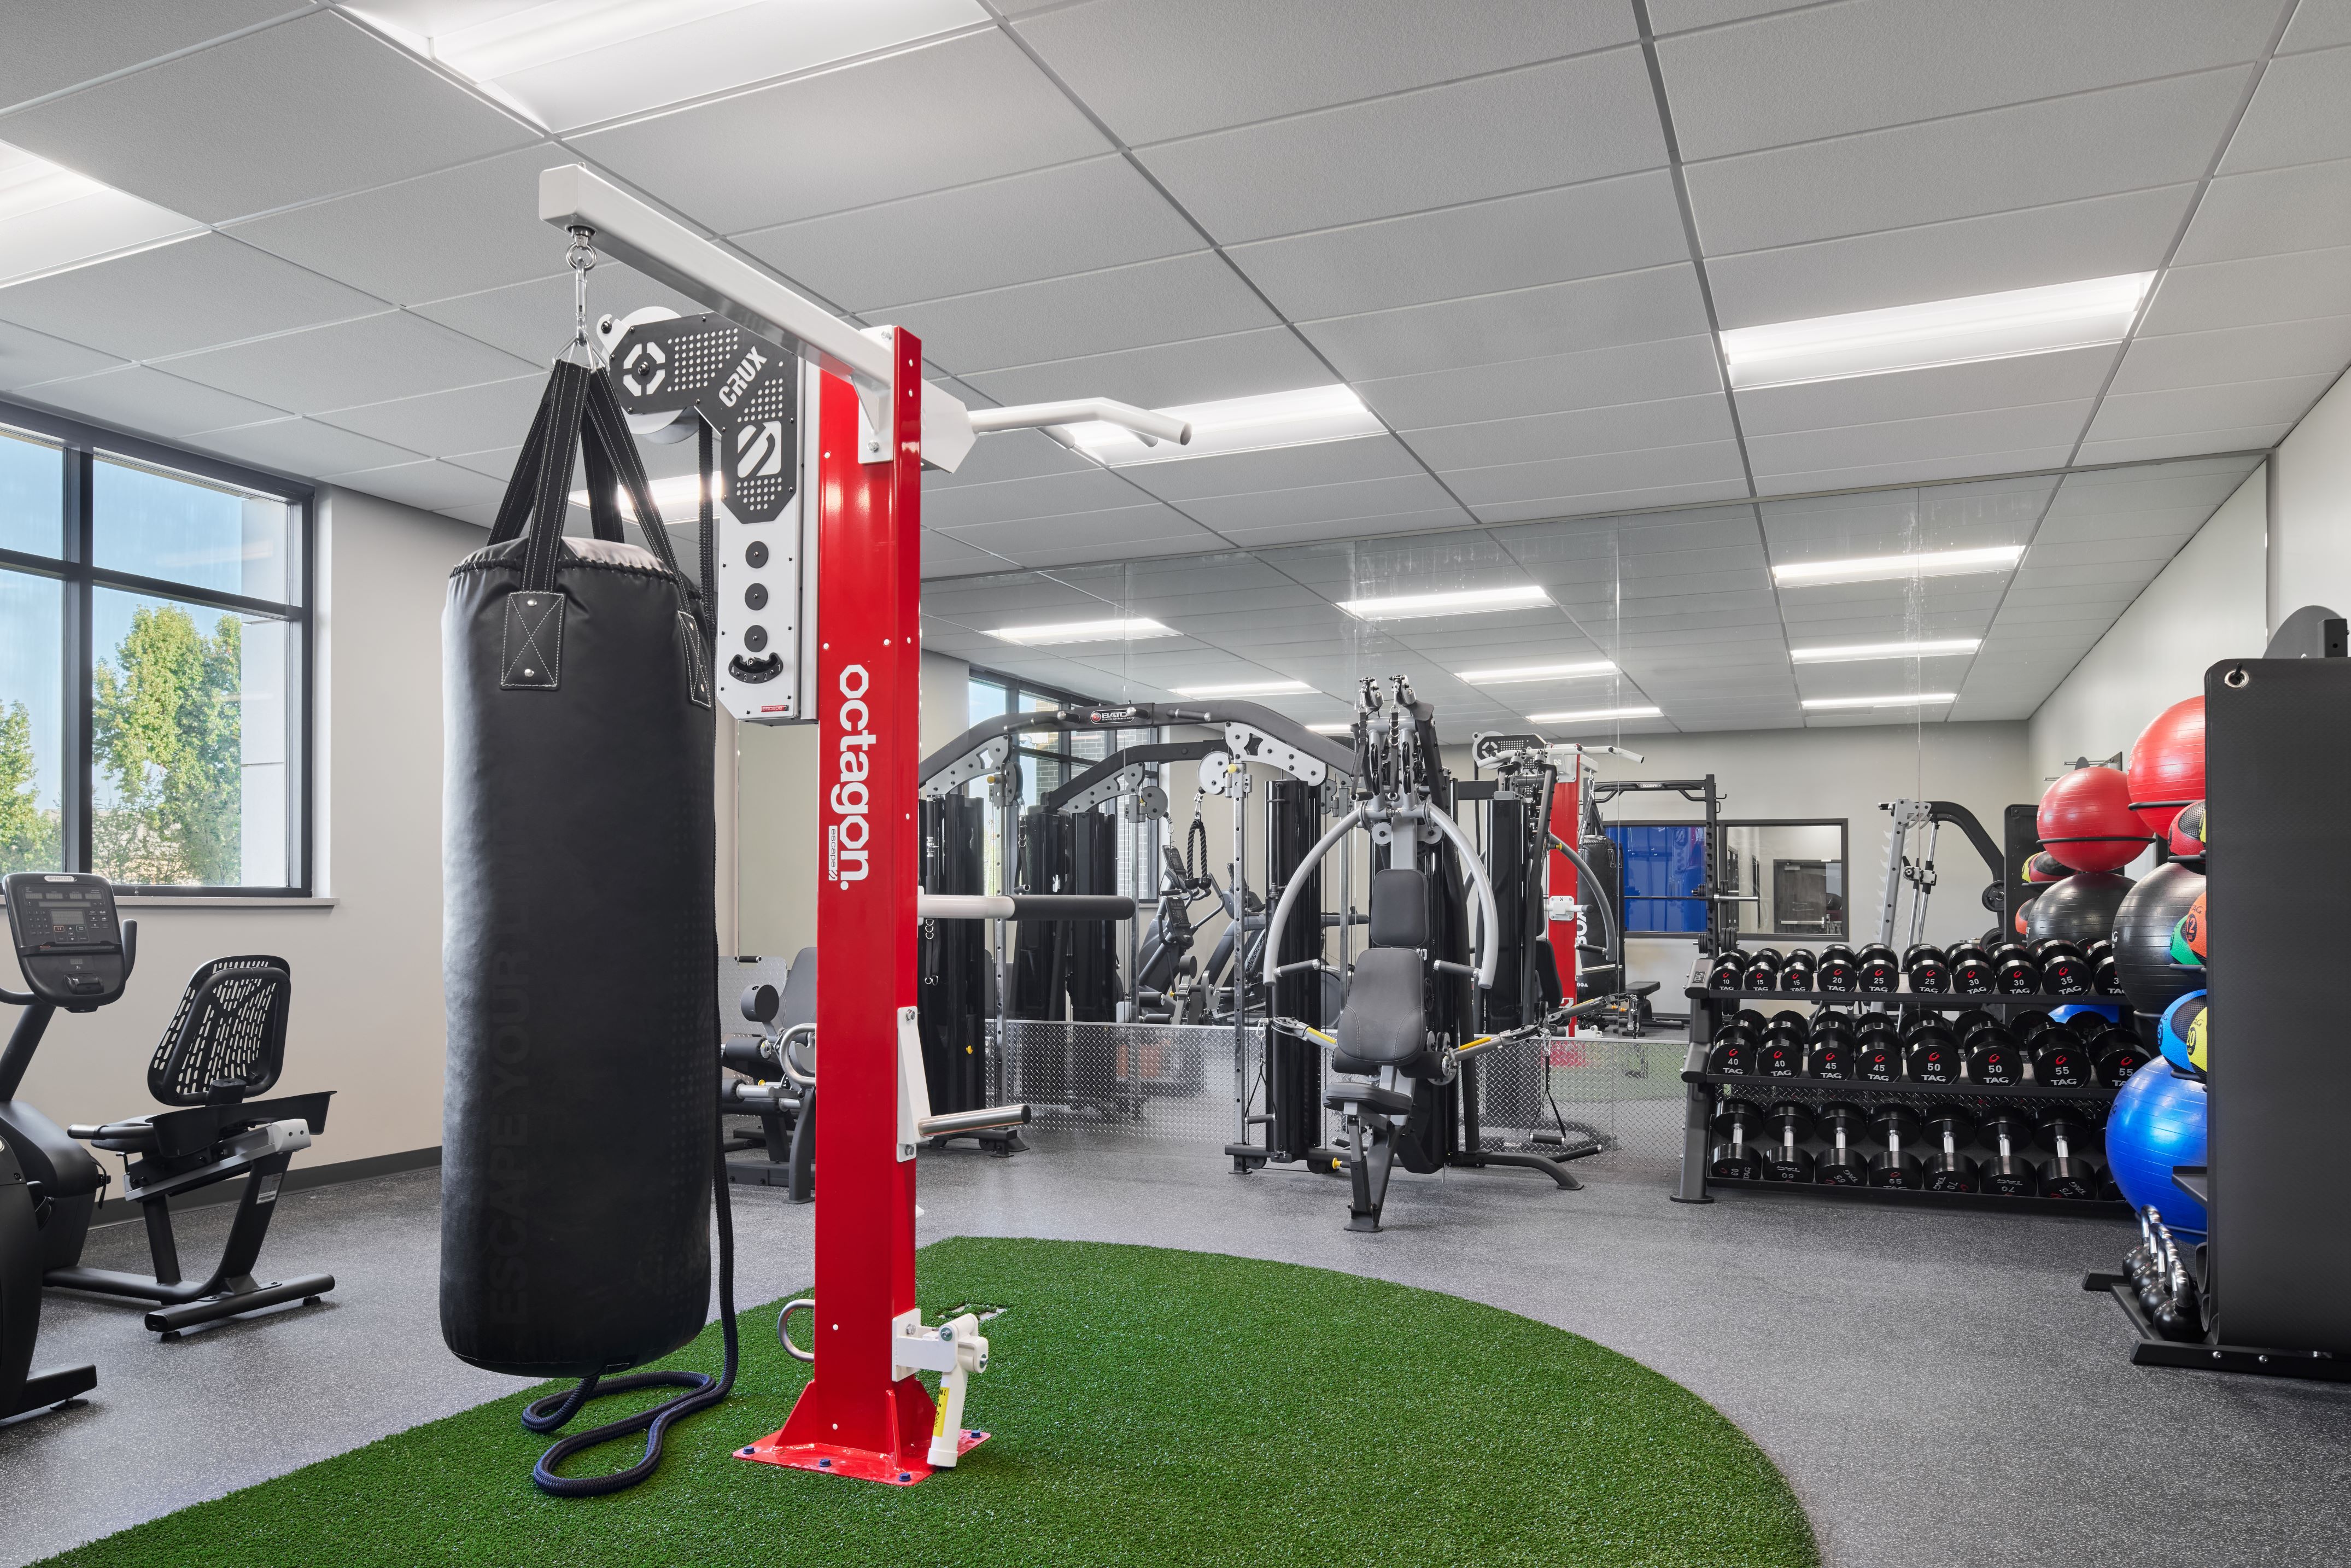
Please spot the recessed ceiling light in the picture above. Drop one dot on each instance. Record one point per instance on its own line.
(568, 63)
(1940, 332)
(1465, 600)
(1594, 716)
(1851, 652)
(1246, 689)
(1301, 418)
(1920, 699)
(1346, 729)
(676, 496)
(1890, 568)
(1123, 628)
(1537, 673)
(53, 220)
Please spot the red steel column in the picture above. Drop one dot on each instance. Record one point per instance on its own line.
(1567, 825)
(854, 1419)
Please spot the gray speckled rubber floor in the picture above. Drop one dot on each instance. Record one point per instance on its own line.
(1936, 1384)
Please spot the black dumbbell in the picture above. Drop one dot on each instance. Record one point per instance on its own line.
(1782, 1054)
(2026, 1024)
(1752, 1019)
(1994, 1057)
(2064, 972)
(2005, 1171)
(1931, 1056)
(1837, 970)
(1737, 1157)
(2114, 1054)
(1842, 1164)
(1734, 1050)
(1971, 969)
(2060, 1058)
(1966, 1024)
(1831, 1053)
(1946, 1169)
(2016, 974)
(1877, 971)
(1727, 970)
(1876, 1051)
(1763, 970)
(2105, 976)
(1797, 970)
(1786, 1126)
(1927, 972)
(2070, 1175)
(1896, 1126)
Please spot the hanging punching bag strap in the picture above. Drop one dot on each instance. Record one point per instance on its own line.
(522, 487)
(567, 392)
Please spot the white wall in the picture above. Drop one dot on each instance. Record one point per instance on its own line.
(366, 958)
(2207, 605)
(2310, 510)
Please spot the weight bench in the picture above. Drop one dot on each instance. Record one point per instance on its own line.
(1383, 1037)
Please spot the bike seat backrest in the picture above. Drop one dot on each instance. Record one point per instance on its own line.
(1385, 1022)
(228, 1038)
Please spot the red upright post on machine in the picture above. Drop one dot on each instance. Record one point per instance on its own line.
(855, 1417)
(1567, 826)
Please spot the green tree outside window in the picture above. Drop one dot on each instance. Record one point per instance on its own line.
(166, 731)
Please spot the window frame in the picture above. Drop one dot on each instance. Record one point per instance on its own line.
(80, 445)
(1722, 849)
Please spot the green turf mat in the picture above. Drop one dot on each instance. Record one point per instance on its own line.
(1148, 1406)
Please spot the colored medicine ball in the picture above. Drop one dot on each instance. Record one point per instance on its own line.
(2182, 1033)
(2143, 928)
(2188, 936)
(2044, 867)
(2167, 765)
(2157, 1122)
(2085, 820)
(2187, 832)
(2024, 913)
(2079, 909)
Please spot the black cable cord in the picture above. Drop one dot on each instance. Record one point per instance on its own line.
(703, 1390)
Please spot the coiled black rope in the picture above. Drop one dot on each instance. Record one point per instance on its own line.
(703, 1391)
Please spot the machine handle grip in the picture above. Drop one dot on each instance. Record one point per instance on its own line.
(130, 948)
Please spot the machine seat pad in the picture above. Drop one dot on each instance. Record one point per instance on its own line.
(1383, 1022)
(1371, 1096)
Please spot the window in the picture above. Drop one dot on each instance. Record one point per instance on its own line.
(1778, 878)
(154, 664)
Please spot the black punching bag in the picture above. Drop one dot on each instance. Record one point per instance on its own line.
(578, 958)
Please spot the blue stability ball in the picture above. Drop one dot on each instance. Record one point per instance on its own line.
(2110, 1012)
(2157, 1123)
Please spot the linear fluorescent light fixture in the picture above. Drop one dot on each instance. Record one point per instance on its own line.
(1595, 716)
(53, 220)
(1852, 653)
(1918, 699)
(1120, 629)
(1895, 568)
(563, 64)
(1246, 689)
(2002, 326)
(1521, 672)
(1301, 418)
(1461, 601)
(675, 496)
(1348, 727)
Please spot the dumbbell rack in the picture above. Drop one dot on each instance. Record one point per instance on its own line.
(1705, 1089)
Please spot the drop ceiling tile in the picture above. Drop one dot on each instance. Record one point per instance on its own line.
(1085, 549)
(2051, 426)
(431, 487)
(200, 291)
(1681, 16)
(1053, 496)
(1173, 299)
(370, 360)
(288, 114)
(466, 419)
(1495, 329)
(2304, 285)
(2130, 137)
(2096, 238)
(1985, 386)
(1359, 500)
(301, 447)
(26, 357)
(2149, 448)
(1281, 468)
(2296, 116)
(64, 43)
(2269, 213)
(533, 320)
(496, 462)
(1620, 225)
(1045, 223)
(1169, 375)
(966, 108)
(458, 231)
(2226, 407)
(1527, 130)
(1563, 478)
(1155, 71)
(1914, 470)
(1635, 372)
(1007, 455)
(1581, 433)
(2317, 25)
(148, 402)
(1830, 70)
(1678, 494)
(2186, 359)
(1347, 525)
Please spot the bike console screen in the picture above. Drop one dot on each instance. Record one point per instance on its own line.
(69, 940)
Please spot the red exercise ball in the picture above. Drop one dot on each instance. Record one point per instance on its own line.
(2086, 819)
(2024, 913)
(2166, 763)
